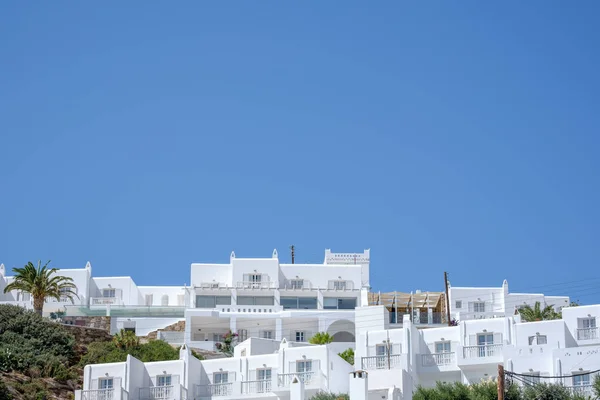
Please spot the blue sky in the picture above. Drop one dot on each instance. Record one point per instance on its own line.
(443, 136)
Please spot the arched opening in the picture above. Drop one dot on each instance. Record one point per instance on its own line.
(342, 331)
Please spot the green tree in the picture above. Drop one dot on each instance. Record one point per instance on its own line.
(125, 339)
(537, 313)
(348, 355)
(321, 338)
(229, 341)
(42, 283)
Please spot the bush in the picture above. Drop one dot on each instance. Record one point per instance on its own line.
(29, 343)
(107, 352)
(33, 390)
(330, 396)
(348, 355)
(4, 393)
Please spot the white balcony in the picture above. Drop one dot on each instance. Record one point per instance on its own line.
(161, 393)
(215, 390)
(249, 309)
(586, 391)
(256, 387)
(255, 285)
(104, 394)
(438, 359)
(393, 361)
(481, 354)
(312, 379)
(104, 301)
(587, 333)
(471, 315)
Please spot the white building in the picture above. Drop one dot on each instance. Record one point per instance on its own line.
(468, 303)
(390, 362)
(261, 368)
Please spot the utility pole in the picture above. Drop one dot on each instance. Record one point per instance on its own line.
(292, 248)
(447, 298)
(500, 382)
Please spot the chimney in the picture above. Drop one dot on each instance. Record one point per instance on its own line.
(359, 385)
(296, 389)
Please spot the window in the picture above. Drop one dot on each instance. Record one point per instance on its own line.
(587, 323)
(264, 374)
(300, 336)
(334, 303)
(164, 301)
(458, 304)
(266, 334)
(212, 301)
(220, 377)
(298, 303)
(297, 283)
(243, 353)
(163, 380)
(64, 292)
(483, 341)
(442, 347)
(532, 378)
(105, 384)
(581, 380)
(242, 335)
(339, 285)
(149, 299)
(108, 293)
(304, 366)
(255, 301)
(180, 299)
(479, 306)
(255, 278)
(538, 339)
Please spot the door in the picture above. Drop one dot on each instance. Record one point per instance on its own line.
(484, 341)
(264, 380)
(381, 356)
(304, 370)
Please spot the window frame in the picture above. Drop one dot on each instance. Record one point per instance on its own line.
(301, 335)
(443, 344)
(480, 305)
(221, 374)
(458, 304)
(166, 378)
(108, 380)
(109, 290)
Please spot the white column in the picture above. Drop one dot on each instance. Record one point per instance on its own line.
(429, 316)
(278, 329)
(296, 388)
(319, 300)
(233, 324)
(359, 387)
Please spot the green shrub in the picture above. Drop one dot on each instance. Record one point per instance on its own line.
(4, 393)
(32, 390)
(107, 352)
(348, 355)
(546, 391)
(330, 396)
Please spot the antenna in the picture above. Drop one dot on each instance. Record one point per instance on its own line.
(293, 249)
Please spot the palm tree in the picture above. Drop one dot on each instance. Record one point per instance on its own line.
(321, 338)
(42, 283)
(125, 339)
(536, 313)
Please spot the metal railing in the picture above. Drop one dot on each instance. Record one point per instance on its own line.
(99, 394)
(297, 284)
(436, 359)
(215, 389)
(260, 386)
(587, 333)
(381, 362)
(340, 285)
(102, 301)
(487, 350)
(309, 378)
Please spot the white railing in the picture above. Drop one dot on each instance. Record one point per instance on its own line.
(255, 285)
(311, 378)
(430, 360)
(102, 301)
(382, 362)
(582, 390)
(171, 337)
(260, 386)
(212, 285)
(488, 350)
(340, 285)
(250, 309)
(587, 333)
(297, 284)
(464, 316)
(158, 393)
(100, 394)
(215, 389)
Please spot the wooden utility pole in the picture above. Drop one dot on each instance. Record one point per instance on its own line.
(447, 298)
(500, 382)
(292, 248)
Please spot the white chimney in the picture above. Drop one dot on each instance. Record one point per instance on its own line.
(359, 385)
(296, 389)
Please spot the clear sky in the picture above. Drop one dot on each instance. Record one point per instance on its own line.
(444, 136)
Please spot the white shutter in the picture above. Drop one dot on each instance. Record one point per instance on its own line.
(154, 380)
(246, 277)
(252, 375)
(149, 299)
(231, 376)
(431, 347)
(180, 299)
(396, 348)
(471, 306)
(497, 338)
(95, 385)
(472, 340)
(265, 278)
(292, 367)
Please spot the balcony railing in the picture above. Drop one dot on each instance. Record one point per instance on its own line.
(464, 316)
(382, 362)
(159, 393)
(215, 389)
(582, 390)
(312, 378)
(260, 386)
(255, 285)
(249, 309)
(297, 284)
(437, 359)
(102, 301)
(488, 350)
(100, 394)
(587, 333)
